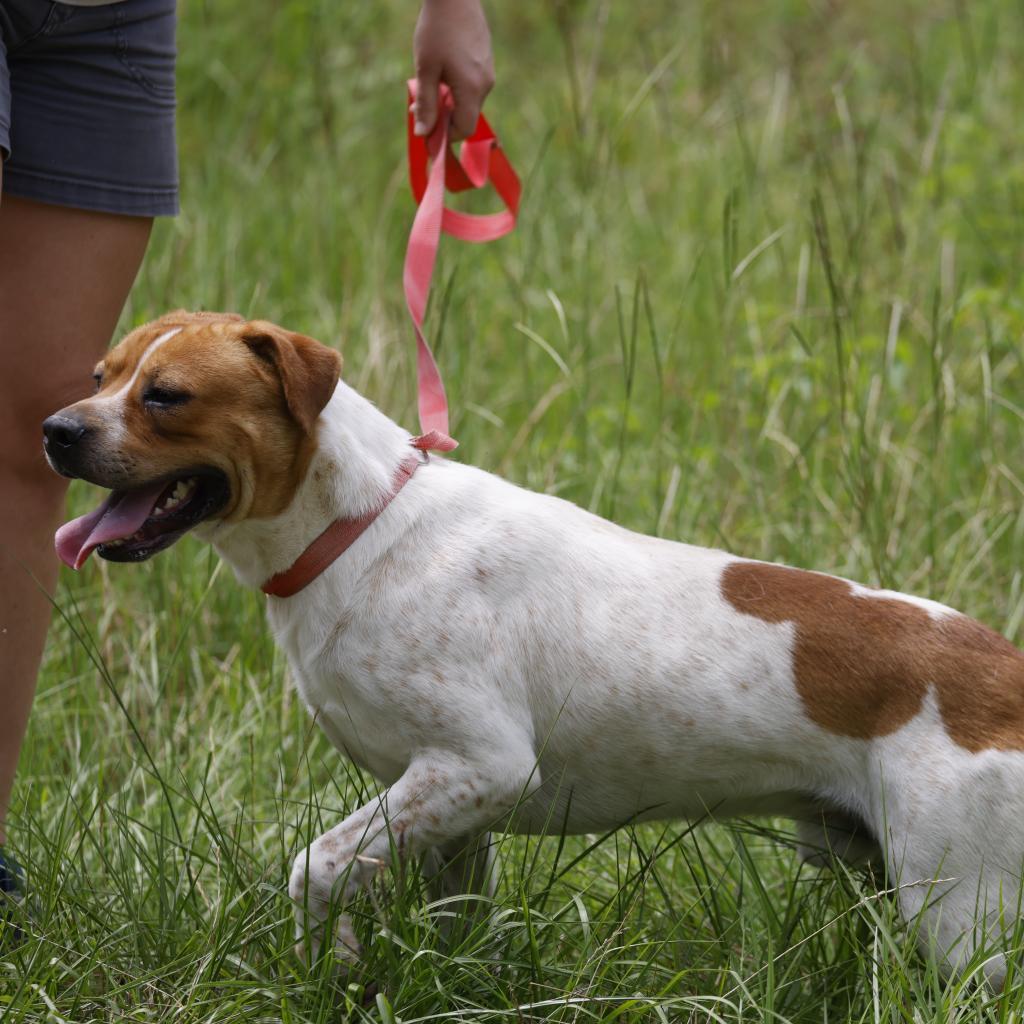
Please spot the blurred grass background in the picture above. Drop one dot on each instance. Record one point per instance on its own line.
(765, 294)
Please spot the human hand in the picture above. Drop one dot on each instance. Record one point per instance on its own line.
(452, 44)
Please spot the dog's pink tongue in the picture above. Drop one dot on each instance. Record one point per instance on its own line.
(119, 516)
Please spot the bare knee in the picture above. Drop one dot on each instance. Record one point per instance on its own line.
(23, 465)
(26, 477)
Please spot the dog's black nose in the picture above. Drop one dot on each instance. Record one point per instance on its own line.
(63, 431)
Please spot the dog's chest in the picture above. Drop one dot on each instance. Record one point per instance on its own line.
(355, 703)
(351, 716)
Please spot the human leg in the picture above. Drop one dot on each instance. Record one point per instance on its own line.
(87, 124)
(64, 276)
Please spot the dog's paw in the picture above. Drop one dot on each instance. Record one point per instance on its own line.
(347, 949)
(309, 941)
(309, 936)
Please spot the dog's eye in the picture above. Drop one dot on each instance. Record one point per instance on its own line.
(164, 398)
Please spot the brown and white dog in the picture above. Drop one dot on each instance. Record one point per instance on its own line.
(499, 658)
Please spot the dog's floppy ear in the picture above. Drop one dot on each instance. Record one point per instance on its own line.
(308, 371)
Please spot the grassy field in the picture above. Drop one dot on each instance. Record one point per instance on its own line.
(765, 295)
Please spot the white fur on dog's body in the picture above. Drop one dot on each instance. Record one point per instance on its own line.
(482, 648)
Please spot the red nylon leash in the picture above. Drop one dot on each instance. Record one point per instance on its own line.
(481, 160)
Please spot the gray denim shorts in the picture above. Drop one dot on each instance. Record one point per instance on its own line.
(87, 105)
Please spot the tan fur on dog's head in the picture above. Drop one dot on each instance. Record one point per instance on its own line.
(201, 394)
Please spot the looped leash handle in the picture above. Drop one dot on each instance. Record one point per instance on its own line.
(433, 166)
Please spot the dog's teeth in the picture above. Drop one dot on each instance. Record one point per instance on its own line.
(182, 490)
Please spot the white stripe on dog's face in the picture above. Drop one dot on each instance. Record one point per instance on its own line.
(152, 347)
(119, 399)
(156, 343)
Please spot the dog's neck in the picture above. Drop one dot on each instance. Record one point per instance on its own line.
(353, 468)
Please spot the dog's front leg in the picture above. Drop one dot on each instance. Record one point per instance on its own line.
(437, 802)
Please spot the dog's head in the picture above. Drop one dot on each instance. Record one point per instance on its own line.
(196, 416)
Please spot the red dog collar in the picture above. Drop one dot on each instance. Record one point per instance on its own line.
(334, 541)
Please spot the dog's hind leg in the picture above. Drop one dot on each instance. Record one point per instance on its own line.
(835, 834)
(961, 910)
(953, 857)
(461, 879)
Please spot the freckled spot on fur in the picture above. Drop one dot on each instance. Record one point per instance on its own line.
(437, 677)
(481, 573)
(862, 663)
(343, 625)
(370, 664)
(744, 686)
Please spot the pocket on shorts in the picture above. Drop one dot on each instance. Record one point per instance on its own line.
(26, 20)
(144, 37)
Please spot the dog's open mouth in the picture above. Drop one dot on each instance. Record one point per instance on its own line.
(131, 526)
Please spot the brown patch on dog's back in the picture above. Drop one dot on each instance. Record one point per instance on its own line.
(863, 664)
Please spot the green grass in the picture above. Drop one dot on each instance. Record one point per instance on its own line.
(765, 294)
